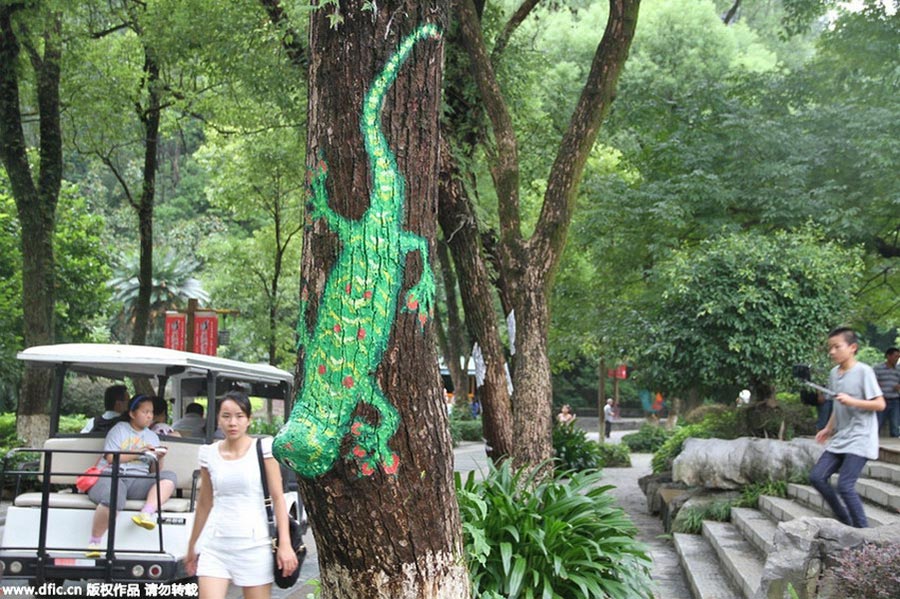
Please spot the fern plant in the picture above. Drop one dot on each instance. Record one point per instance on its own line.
(528, 535)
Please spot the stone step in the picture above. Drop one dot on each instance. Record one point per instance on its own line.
(806, 494)
(884, 494)
(889, 452)
(698, 560)
(736, 555)
(756, 527)
(784, 510)
(889, 473)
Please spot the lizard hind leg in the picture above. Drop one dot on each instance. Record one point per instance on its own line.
(370, 441)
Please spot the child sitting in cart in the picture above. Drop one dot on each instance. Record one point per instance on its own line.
(131, 435)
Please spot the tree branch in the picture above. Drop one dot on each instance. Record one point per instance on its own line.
(504, 161)
(517, 19)
(575, 147)
(290, 39)
(732, 12)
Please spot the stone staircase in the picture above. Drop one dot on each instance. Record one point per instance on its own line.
(726, 561)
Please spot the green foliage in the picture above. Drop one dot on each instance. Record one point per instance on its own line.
(648, 439)
(613, 455)
(750, 493)
(666, 454)
(741, 308)
(466, 430)
(574, 451)
(260, 426)
(82, 268)
(690, 519)
(530, 536)
(173, 284)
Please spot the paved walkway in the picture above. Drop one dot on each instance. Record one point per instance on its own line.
(667, 574)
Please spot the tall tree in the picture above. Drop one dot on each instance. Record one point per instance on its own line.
(528, 263)
(256, 182)
(368, 382)
(38, 32)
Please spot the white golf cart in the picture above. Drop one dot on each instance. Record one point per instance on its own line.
(46, 531)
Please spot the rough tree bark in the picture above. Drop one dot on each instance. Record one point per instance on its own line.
(149, 116)
(450, 334)
(528, 265)
(36, 200)
(383, 535)
(461, 232)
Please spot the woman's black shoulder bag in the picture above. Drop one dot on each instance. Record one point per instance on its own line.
(283, 582)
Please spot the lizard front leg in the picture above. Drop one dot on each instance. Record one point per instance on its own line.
(421, 297)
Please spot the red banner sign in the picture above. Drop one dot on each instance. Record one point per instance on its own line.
(176, 325)
(206, 333)
(619, 372)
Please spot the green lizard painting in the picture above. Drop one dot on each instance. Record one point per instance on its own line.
(357, 309)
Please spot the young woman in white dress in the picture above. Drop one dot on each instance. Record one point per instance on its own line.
(237, 547)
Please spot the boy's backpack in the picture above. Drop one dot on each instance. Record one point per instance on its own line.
(102, 425)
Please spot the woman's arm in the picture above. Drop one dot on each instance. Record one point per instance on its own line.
(287, 559)
(201, 514)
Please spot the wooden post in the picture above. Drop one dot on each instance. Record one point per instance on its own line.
(601, 400)
(193, 305)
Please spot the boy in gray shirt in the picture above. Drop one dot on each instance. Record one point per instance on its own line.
(851, 435)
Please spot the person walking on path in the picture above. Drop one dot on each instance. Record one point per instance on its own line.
(888, 376)
(238, 548)
(851, 435)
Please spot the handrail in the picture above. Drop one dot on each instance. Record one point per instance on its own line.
(114, 472)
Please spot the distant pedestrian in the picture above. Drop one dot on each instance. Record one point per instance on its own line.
(608, 415)
(851, 435)
(888, 376)
(743, 398)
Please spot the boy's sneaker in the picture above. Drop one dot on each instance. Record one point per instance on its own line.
(144, 521)
(93, 550)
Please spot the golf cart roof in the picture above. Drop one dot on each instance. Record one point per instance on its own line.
(116, 361)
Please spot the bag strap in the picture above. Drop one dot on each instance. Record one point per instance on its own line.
(267, 499)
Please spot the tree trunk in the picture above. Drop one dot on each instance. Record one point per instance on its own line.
(533, 415)
(150, 117)
(461, 232)
(36, 204)
(455, 346)
(528, 266)
(392, 529)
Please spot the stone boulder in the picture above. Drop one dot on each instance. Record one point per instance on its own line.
(806, 549)
(734, 463)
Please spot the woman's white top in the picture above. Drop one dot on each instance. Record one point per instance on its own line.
(238, 517)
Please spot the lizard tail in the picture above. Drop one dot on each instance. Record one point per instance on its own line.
(376, 144)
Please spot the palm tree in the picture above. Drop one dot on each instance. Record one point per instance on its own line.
(173, 285)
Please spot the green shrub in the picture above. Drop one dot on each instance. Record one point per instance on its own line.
(574, 451)
(647, 440)
(690, 519)
(465, 430)
(750, 493)
(614, 455)
(72, 423)
(84, 395)
(260, 426)
(527, 536)
(669, 450)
